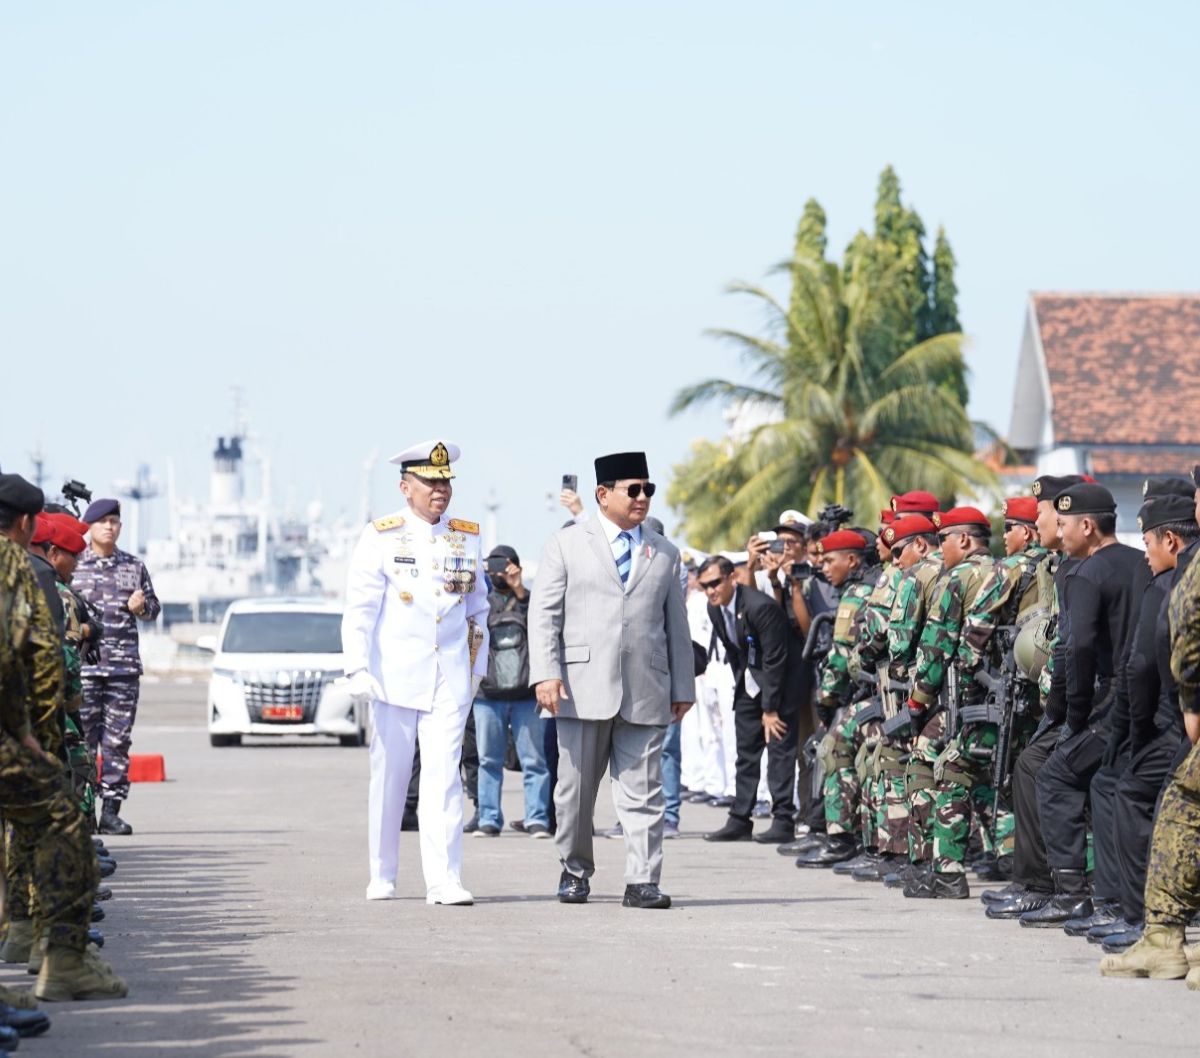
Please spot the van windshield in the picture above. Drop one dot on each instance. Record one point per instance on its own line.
(283, 633)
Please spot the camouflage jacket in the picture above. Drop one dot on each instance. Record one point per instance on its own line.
(955, 594)
(914, 597)
(107, 583)
(31, 670)
(997, 605)
(836, 681)
(873, 625)
(1183, 612)
(74, 618)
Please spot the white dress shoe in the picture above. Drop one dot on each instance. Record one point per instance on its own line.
(449, 893)
(381, 890)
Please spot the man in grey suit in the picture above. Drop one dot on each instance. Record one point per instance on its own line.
(611, 656)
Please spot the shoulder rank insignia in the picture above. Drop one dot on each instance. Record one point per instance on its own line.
(392, 521)
(459, 526)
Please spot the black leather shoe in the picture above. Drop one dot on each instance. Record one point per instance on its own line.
(733, 830)
(97, 913)
(408, 821)
(905, 873)
(801, 845)
(777, 833)
(865, 858)
(469, 827)
(107, 867)
(572, 890)
(1019, 904)
(698, 798)
(1119, 942)
(103, 892)
(26, 1022)
(934, 886)
(1099, 934)
(647, 895)
(1105, 912)
(95, 937)
(1059, 911)
(838, 849)
(721, 802)
(998, 896)
(10, 1039)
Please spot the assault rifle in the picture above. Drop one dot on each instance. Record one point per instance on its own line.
(1002, 705)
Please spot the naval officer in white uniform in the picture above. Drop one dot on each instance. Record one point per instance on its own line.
(414, 635)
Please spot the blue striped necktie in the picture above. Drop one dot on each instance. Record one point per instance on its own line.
(625, 558)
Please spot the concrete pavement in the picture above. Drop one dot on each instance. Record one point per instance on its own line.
(240, 923)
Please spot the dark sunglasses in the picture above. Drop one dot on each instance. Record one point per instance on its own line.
(636, 489)
(1010, 526)
(897, 551)
(708, 585)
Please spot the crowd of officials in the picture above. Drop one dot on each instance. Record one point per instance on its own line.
(70, 601)
(908, 703)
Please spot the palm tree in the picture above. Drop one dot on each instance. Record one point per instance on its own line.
(832, 414)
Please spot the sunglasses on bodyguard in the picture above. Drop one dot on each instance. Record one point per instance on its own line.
(708, 585)
(637, 489)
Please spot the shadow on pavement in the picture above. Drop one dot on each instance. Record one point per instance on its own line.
(182, 931)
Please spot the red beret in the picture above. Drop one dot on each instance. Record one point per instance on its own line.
(65, 538)
(1021, 509)
(42, 529)
(910, 525)
(842, 540)
(961, 518)
(921, 502)
(70, 521)
(887, 517)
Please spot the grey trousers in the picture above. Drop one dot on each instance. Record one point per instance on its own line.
(632, 754)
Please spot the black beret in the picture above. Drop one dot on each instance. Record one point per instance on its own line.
(1086, 498)
(620, 466)
(1155, 487)
(1164, 510)
(1050, 487)
(20, 495)
(101, 508)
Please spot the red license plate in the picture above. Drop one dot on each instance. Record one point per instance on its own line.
(282, 712)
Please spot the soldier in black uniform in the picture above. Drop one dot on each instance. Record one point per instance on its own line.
(1097, 613)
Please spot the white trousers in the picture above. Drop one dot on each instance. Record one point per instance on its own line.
(692, 771)
(398, 731)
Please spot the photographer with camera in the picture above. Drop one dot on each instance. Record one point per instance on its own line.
(506, 700)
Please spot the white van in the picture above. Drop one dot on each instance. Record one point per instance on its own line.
(273, 673)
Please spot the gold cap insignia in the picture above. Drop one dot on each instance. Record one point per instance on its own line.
(1064, 503)
(894, 509)
(1140, 529)
(439, 457)
(1145, 489)
(889, 534)
(1037, 488)
(937, 519)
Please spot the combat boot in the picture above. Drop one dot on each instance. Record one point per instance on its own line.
(68, 974)
(15, 998)
(838, 849)
(919, 881)
(110, 819)
(1072, 899)
(801, 845)
(18, 942)
(866, 858)
(1106, 912)
(885, 864)
(1193, 957)
(935, 885)
(1158, 955)
(36, 954)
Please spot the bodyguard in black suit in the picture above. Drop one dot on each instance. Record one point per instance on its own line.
(754, 632)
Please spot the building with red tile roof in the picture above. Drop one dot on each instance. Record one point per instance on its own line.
(1109, 385)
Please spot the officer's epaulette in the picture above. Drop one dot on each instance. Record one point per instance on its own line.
(391, 521)
(459, 526)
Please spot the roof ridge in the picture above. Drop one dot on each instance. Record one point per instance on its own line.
(1141, 294)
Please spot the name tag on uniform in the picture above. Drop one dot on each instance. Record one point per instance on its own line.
(127, 579)
(408, 559)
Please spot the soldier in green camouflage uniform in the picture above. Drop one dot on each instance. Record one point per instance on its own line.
(964, 533)
(842, 559)
(1173, 876)
(1020, 589)
(32, 791)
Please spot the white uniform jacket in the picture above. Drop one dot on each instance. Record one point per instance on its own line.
(404, 619)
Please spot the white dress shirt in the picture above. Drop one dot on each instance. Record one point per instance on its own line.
(612, 532)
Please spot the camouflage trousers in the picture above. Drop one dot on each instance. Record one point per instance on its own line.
(50, 837)
(842, 789)
(109, 708)
(870, 807)
(964, 791)
(920, 785)
(891, 820)
(1173, 876)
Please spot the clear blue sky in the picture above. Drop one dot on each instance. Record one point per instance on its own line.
(509, 223)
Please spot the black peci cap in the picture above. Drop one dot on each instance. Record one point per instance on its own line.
(620, 466)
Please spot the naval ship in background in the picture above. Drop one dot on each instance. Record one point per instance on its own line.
(237, 546)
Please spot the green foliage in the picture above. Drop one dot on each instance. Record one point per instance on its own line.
(857, 387)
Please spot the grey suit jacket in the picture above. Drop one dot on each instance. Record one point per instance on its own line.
(617, 651)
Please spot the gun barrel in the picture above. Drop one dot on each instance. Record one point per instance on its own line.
(814, 631)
